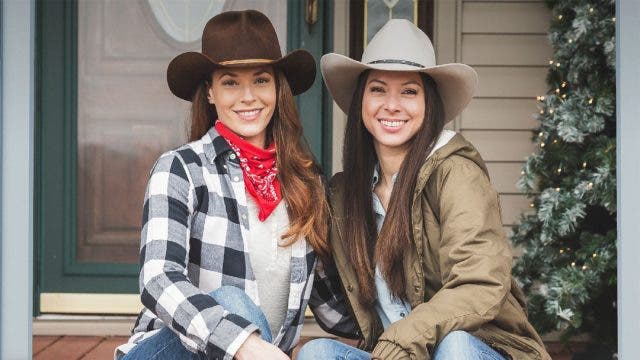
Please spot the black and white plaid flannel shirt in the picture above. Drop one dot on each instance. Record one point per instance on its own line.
(195, 223)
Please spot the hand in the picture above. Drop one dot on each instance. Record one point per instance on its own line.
(256, 348)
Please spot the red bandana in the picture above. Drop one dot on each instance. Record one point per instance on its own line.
(259, 170)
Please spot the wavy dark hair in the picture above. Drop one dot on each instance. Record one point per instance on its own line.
(366, 247)
(299, 175)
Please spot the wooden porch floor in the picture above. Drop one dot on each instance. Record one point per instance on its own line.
(75, 347)
(101, 348)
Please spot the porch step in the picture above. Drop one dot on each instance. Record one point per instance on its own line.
(102, 347)
(95, 337)
(79, 325)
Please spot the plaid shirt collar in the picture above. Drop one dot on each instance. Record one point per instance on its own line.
(215, 145)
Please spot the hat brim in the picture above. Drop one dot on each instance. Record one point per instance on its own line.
(456, 82)
(188, 70)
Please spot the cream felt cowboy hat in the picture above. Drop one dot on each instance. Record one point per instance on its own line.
(400, 46)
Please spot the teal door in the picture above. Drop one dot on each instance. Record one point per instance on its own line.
(104, 114)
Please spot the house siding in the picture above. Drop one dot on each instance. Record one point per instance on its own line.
(506, 42)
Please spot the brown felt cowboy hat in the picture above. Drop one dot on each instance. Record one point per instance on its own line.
(237, 39)
(400, 46)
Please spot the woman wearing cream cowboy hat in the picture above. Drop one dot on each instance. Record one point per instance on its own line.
(229, 241)
(417, 235)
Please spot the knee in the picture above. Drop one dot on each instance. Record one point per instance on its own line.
(457, 338)
(456, 345)
(317, 349)
(228, 292)
(237, 302)
(231, 296)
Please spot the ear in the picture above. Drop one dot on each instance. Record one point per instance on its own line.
(210, 95)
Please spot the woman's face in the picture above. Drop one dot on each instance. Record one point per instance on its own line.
(393, 107)
(245, 99)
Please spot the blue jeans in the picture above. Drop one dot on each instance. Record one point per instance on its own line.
(166, 344)
(457, 345)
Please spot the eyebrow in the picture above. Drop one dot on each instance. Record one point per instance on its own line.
(232, 74)
(412, 82)
(406, 83)
(376, 80)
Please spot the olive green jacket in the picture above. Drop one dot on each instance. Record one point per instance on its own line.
(458, 271)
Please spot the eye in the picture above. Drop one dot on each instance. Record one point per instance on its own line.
(376, 89)
(262, 80)
(410, 91)
(229, 82)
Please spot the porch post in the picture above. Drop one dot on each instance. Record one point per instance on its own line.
(628, 175)
(16, 197)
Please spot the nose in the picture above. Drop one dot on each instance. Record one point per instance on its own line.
(247, 95)
(392, 104)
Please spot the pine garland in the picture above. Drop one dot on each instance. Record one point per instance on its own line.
(568, 265)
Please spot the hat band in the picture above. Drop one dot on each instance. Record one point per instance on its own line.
(245, 61)
(393, 61)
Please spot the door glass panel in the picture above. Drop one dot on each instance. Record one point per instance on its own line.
(126, 114)
(378, 12)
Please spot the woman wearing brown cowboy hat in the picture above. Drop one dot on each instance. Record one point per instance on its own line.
(417, 235)
(229, 241)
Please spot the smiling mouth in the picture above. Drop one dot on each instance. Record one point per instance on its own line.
(392, 123)
(248, 114)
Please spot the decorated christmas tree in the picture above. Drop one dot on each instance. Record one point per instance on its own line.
(568, 264)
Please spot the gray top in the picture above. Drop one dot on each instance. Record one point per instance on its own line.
(271, 263)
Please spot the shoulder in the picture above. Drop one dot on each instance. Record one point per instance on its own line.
(457, 175)
(459, 167)
(186, 155)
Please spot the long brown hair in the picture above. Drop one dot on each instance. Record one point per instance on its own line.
(299, 175)
(366, 248)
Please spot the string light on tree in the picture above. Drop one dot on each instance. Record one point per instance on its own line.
(569, 232)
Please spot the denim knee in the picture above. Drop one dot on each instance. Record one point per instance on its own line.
(456, 345)
(236, 301)
(317, 349)
(329, 349)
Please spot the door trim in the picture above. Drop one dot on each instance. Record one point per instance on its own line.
(79, 303)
